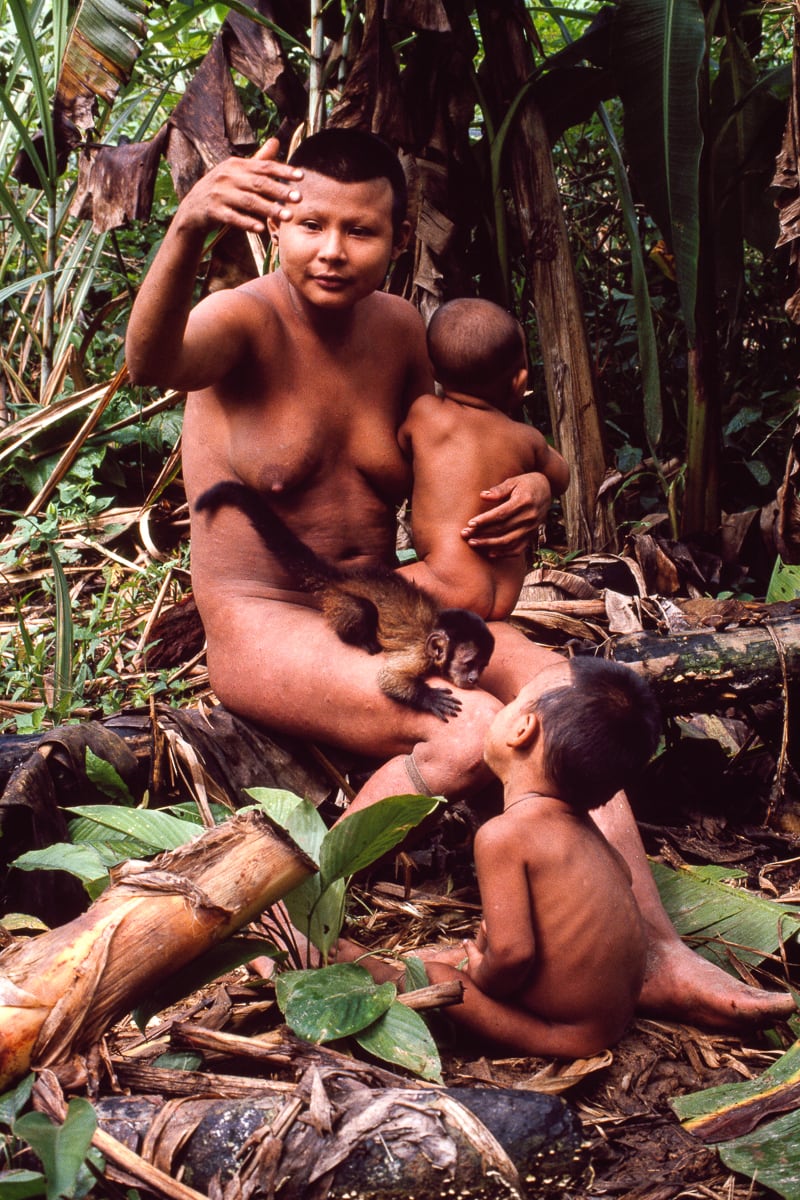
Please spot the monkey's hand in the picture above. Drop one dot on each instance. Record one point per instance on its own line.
(441, 702)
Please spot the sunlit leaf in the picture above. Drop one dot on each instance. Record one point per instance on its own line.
(733, 1118)
(156, 829)
(364, 836)
(711, 913)
(401, 1037)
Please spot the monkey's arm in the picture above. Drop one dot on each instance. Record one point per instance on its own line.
(399, 678)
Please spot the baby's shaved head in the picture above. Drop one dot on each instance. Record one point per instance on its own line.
(475, 346)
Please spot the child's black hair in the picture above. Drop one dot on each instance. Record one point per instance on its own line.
(354, 156)
(599, 731)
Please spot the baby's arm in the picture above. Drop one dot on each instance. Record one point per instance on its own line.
(502, 957)
(162, 346)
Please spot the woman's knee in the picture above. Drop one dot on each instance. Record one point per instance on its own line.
(452, 762)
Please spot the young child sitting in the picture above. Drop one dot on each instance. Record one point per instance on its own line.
(559, 960)
(463, 441)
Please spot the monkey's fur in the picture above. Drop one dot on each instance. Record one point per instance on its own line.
(375, 609)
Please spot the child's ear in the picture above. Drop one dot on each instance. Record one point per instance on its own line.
(401, 240)
(273, 226)
(525, 731)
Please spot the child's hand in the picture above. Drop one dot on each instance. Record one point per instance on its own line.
(474, 955)
(243, 192)
(521, 505)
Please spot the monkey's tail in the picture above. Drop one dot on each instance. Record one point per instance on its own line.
(310, 571)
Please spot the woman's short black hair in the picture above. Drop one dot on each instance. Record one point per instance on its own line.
(354, 156)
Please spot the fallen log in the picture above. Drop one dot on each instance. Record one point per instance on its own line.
(340, 1139)
(704, 670)
(60, 991)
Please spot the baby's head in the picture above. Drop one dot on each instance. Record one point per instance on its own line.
(599, 724)
(478, 348)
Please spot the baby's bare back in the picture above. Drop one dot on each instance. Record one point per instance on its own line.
(458, 452)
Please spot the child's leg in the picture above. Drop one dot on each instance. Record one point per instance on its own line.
(510, 1028)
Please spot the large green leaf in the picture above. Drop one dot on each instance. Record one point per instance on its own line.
(732, 1117)
(84, 862)
(364, 836)
(658, 50)
(401, 1037)
(712, 914)
(332, 1002)
(155, 829)
(62, 1148)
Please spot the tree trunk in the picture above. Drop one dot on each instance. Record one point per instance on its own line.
(559, 310)
(60, 991)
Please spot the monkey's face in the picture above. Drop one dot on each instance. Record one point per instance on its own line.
(460, 647)
(467, 663)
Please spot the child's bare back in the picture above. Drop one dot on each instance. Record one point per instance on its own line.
(576, 935)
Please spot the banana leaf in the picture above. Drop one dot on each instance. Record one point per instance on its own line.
(724, 923)
(733, 1119)
(103, 45)
(657, 52)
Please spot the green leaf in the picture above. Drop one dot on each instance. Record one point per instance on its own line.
(401, 1037)
(61, 1148)
(63, 676)
(107, 779)
(155, 829)
(316, 912)
(784, 582)
(298, 817)
(415, 975)
(13, 1102)
(81, 861)
(331, 1002)
(767, 1152)
(359, 839)
(658, 48)
(19, 1185)
(714, 914)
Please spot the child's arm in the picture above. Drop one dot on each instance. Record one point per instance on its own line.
(161, 347)
(502, 957)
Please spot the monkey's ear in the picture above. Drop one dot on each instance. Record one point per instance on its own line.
(437, 646)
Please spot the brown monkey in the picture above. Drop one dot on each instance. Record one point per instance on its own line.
(377, 610)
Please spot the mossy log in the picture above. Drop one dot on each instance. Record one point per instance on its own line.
(704, 670)
(60, 991)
